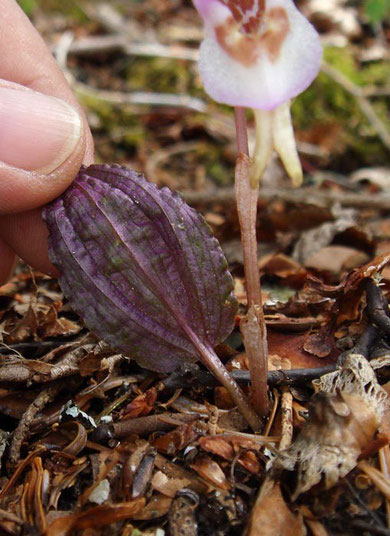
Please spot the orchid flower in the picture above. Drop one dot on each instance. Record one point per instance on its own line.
(257, 54)
(260, 54)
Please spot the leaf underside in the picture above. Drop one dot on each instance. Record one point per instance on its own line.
(140, 266)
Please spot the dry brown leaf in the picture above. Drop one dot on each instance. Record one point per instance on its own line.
(178, 438)
(158, 506)
(336, 260)
(344, 416)
(292, 347)
(349, 292)
(228, 449)
(25, 328)
(282, 266)
(317, 238)
(50, 325)
(95, 517)
(271, 516)
(210, 471)
(321, 344)
(140, 405)
(315, 526)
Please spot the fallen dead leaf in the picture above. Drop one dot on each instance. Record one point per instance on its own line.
(271, 516)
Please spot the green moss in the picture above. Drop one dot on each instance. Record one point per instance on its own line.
(327, 102)
(159, 75)
(73, 9)
(28, 6)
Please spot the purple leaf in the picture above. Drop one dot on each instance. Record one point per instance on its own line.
(140, 267)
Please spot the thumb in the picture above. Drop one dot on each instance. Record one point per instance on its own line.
(42, 145)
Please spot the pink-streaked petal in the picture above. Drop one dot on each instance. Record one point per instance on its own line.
(213, 12)
(252, 71)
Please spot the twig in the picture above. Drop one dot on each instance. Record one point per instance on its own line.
(287, 419)
(377, 478)
(361, 99)
(120, 97)
(158, 157)
(377, 308)
(38, 345)
(365, 342)
(369, 528)
(365, 507)
(100, 44)
(120, 42)
(301, 196)
(44, 397)
(190, 376)
(141, 426)
(384, 458)
(9, 516)
(139, 97)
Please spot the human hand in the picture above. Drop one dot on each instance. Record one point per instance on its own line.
(43, 140)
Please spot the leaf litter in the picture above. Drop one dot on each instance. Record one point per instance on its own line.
(170, 452)
(64, 475)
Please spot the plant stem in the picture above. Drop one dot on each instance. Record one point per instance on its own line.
(210, 359)
(246, 198)
(255, 342)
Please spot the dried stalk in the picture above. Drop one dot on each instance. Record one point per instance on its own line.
(45, 397)
(254, 339)
(384, 459)
(253, 325)
(287, 419)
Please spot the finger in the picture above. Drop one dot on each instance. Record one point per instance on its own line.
(36, 132)
(44, 136)
(28, 235)
(26, 60)
(7, 262)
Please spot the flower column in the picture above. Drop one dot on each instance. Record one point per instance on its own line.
(257, 54)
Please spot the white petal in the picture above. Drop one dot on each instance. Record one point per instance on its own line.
(264, 145)
(284, 142)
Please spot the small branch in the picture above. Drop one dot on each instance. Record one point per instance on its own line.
(299, 196)
(286, 419)
(141, 426)
(120, 97)
(377, 308)
(44, 397)
(369, 528)
(191, 376)
(139, 97)
(102, 44)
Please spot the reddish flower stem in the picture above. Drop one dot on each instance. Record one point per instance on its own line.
(246, 198)
(210, 359)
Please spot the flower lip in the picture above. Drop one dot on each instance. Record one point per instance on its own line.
(260, 70)
(248, 13)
